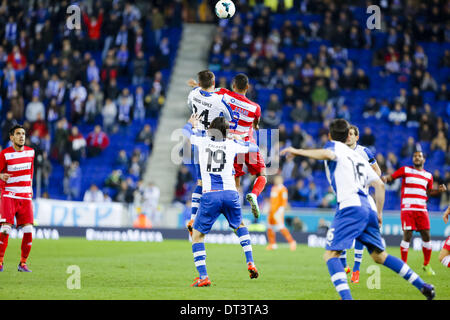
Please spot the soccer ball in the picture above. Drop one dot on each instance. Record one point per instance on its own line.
(225, 9)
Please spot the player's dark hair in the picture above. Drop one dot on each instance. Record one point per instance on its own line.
(355, 128)
(206, 79)
(339, 130)
(14, 128)
(221, 125)
(240, 82)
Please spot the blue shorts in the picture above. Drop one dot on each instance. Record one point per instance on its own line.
(360, 223)
(212, 204)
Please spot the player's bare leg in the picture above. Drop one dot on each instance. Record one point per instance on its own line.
(404, 245)
(245, 242)
(5, 230)
(199, 252)
(426, 249)
(27, 230)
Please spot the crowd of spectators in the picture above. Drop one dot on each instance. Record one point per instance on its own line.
(61, 82)
(309, 86)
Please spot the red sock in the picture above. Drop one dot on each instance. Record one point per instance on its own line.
(404, 246)
(3, 244)
(259, 185)
(26, 246)
(426, 249)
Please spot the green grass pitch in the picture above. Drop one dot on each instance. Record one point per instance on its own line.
(164, 271)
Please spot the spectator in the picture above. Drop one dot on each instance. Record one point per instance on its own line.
(122, 158)
(443, 94)
(109, 114)
(319, 94)
(33, 109)
(287, 171)
(72, 181)
(139, 105)
(367, 138)
(328, 201)
(78, 96)
(413, 117)
(125, 104)
(146, 136)
(150, 201)
(274, 103)
(439, 142)
(298, 192)
(16, 105)
(304, 170)
(125, 194)
(7, 124)
(17, 59)
(77, 145)
(97, 141)
(408, 148)
(428, 83)
(362, 81)
(347, 81)
(139, 69)
(299, 113)
(397, 116)
(271, 119)
(94, 25)
(297, 137)
(114, 180)
(392, 161)
(93, 194)
(371, 108)
(183, 177)
(425, 134)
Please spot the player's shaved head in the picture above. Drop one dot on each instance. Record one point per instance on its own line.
(240, 82)
(219, 126)
(339, 130)
(206, 79)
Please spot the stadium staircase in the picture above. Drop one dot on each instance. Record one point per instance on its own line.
(192, 57)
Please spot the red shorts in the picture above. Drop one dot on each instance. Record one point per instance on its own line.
(415, 220)
(21, 209)
(253, 160)
(447, 244)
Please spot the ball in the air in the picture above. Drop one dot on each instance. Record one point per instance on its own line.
(225, 9)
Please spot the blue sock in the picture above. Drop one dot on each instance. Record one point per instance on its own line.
(359, 250)
(196, 196)
(343, 258)
(198, 249)
(397, 265)
(244, 240)
(339, 278)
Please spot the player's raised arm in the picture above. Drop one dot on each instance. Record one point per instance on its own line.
(318, 154)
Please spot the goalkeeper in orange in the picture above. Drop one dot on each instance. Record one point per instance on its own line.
(278, 203)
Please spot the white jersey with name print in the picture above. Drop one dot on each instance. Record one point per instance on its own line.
(348, 174)
(208, 105)
(216, 160)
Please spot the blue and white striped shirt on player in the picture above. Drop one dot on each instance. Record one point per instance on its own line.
(349, 174)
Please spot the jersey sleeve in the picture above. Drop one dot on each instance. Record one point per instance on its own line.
(371, 174)
(257, 112)
(226, 109)
(430, 183)
(370, 156)
(332, 146)
(399, 173)
(2, 162)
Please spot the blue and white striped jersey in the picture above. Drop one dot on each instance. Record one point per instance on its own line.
(208, 105)
(366, 153)
(216, 159)
(349, 174)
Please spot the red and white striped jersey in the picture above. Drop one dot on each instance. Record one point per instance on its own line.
(245, 112)
(20, 165)
(414, 188)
